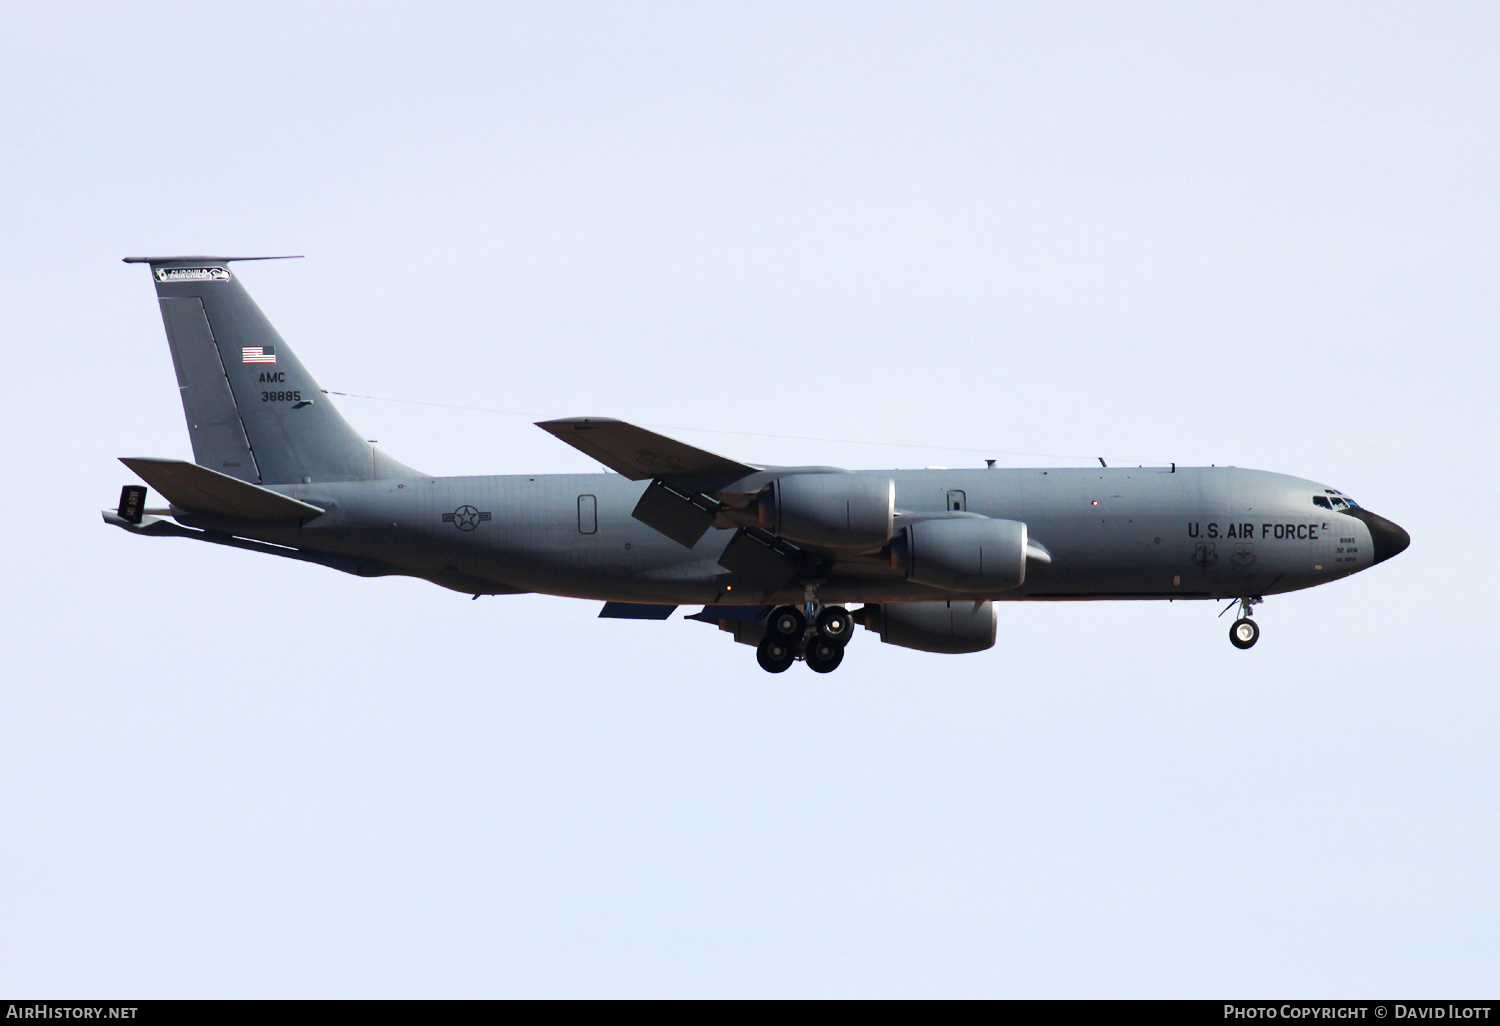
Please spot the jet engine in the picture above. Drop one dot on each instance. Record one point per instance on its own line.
(949, 627)
(835, 511)
(963, 553)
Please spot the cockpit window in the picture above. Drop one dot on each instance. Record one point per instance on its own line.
(1322, 502)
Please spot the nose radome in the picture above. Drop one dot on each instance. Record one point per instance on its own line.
(1388, 538)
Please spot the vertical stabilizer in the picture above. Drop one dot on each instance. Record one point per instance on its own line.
(253, 410)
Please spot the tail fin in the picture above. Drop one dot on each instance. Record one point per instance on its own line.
(253, 411)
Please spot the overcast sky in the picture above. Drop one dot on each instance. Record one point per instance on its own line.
(868, 235)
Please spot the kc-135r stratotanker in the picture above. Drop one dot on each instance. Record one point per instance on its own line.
(774, 555)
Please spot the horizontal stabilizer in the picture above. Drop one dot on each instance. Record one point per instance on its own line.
(156, 527)
(201, 490)
(639, 454)
(634, 611)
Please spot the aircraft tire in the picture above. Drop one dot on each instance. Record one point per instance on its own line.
(786, 622)
(1244, 633)
(836, 625)
(775, 654)
(824, 656)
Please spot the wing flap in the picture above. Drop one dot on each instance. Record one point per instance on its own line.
(201, 490)
(634, 611)
(675, 515)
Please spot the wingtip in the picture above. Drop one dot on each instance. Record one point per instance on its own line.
(576, 423)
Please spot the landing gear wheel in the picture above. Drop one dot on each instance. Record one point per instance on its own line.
(823, 656)
(775, 654)
(786, 622)
(835, 625)
(1243, 633)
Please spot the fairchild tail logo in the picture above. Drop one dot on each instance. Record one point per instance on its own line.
(176, 274)
(465, 518)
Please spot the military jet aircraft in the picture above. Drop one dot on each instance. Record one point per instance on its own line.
(776, 556)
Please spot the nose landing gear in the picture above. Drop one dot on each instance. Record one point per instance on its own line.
(818, 639)
(1244, 632)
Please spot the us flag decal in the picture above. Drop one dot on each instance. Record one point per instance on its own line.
(259, 354)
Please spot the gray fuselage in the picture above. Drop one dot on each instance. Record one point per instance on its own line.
(1126, 533)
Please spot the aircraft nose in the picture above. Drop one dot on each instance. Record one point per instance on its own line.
(1389, 539)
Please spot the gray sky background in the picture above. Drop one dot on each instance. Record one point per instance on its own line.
(1252, 234)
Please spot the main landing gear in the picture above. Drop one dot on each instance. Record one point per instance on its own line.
(1244, 632)
(775, 653)
(819, 643)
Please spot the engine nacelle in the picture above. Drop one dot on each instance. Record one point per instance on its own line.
(948, 627)
(835, 511)
(974, 554)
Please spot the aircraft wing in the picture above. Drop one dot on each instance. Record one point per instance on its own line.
(201, 490)
(639, 454)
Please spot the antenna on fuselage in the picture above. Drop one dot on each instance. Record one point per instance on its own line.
(1101, 462)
